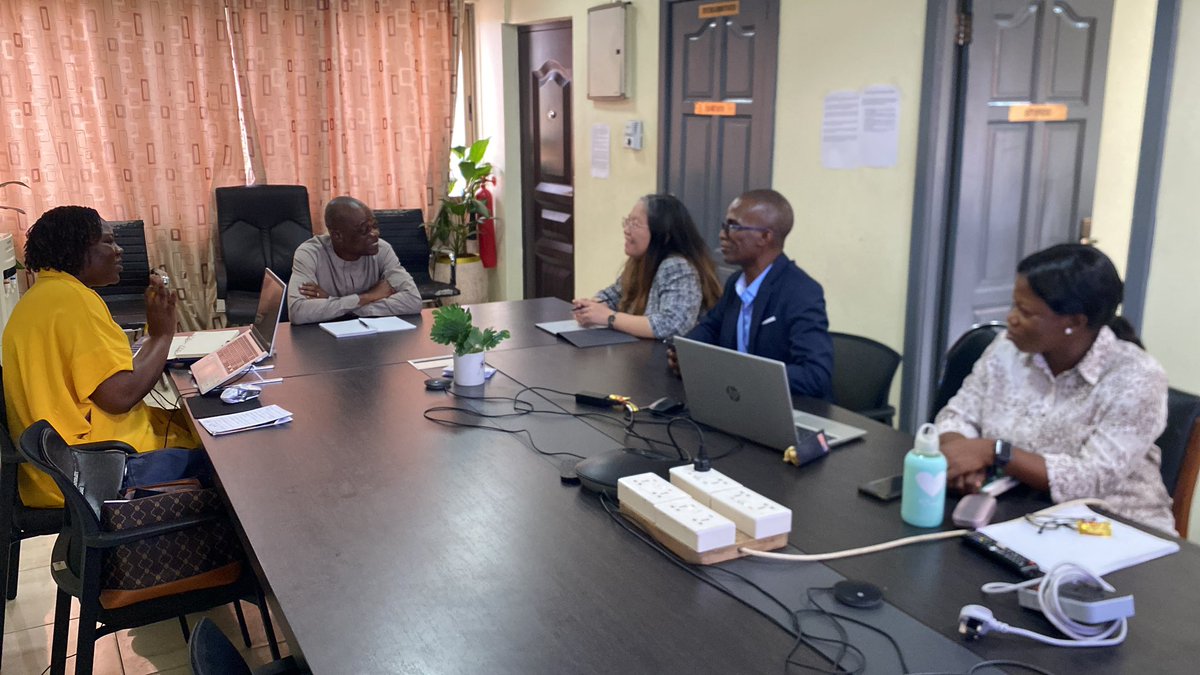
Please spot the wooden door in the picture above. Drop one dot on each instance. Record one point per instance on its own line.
(728, 60)
(1025, 185)
(547, 166)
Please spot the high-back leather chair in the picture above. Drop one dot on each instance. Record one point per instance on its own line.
(259, 226)
(404, 229)
(862, 375)
(1180, 445)
(960, 359)
(127, 298)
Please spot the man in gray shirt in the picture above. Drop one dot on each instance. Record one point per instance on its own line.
(349, 271)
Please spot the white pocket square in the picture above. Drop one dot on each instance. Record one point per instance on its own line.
(767, 321)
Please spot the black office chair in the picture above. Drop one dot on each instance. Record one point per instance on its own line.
(213, 654)
(404, 229)
(79, 557)
(259, 226)
(1180, 445)
(17, 522)
(960, 359)
(127, 298)
(862, 375)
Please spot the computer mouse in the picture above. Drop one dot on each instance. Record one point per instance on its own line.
(240, 392)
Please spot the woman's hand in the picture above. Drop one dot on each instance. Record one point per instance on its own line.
(590, 312)
(967, 462)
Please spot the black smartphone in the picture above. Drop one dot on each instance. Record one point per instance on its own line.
(885, 489)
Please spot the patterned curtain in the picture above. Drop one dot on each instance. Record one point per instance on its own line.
(132, 108)
(127, 107)
(354, 98)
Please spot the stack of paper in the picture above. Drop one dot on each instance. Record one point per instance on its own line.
(268, 416)
(365, 326)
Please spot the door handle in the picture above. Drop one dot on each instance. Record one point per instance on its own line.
(1085, 232)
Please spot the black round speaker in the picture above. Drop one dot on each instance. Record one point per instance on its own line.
(860, 594)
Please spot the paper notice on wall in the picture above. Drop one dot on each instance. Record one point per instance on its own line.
(601, 139)
(840, 131)
(861, 128)
(880, 126)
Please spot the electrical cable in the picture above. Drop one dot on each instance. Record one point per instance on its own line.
(1080, 634)
(862, 550)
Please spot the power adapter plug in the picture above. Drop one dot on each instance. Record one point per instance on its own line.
(1082, 602)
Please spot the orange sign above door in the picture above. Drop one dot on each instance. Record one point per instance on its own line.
(1038, 112)
(715, 9)
(718, 108)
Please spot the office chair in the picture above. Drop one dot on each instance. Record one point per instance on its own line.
(862, 375)
(404, 229)
(85, 550)
(17, 522)
(1180, 445)
(960, 359)
(127, 298)
(213, 654)
(259, 226)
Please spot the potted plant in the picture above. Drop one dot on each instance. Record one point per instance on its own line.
(457, 222)
(452, 326)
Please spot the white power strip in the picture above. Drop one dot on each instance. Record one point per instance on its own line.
(702, 509)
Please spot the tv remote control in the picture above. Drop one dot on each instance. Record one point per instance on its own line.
(1005, 556)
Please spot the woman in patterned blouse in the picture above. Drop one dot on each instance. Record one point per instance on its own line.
(1067, 397)
(668, 279)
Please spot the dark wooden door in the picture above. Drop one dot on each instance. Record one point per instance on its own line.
(726, 65)
(547, 166)
(1024, 185)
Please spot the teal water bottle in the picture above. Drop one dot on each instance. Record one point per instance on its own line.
(923, 502)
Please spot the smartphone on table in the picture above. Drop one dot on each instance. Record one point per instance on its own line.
(884, 489)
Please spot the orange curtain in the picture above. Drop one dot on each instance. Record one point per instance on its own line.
(127, 107)
(354, 98)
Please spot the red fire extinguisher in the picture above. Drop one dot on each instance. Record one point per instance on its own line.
(487, 226)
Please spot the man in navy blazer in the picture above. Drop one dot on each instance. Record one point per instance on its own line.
(772, 308)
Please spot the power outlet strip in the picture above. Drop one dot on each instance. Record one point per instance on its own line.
(695, 525)
(645, 490)
(701, 484)
(752, 513)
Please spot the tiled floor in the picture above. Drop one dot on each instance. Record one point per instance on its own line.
(157, 648)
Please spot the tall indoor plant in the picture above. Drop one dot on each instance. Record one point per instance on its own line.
(453, 325)
(457, 222)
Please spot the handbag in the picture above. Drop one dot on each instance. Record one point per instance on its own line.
(207, 555)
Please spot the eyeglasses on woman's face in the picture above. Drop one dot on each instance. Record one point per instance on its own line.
(629, 224)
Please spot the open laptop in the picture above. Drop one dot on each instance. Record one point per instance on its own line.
(233, 358)
(187, 348)
(748, 396)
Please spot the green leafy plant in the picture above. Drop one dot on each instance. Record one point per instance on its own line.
(452, 326)
(457, 219)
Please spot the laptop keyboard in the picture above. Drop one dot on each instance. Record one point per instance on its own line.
(236, 355)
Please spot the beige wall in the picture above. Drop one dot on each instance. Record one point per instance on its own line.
(1172, 320)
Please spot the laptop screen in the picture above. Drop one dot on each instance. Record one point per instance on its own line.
(270, 308)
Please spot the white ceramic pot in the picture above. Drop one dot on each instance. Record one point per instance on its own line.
(468, 369)
(470, 278)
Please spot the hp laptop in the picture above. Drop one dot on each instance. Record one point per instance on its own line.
(189, 348)
(232, 359)
(748, 396)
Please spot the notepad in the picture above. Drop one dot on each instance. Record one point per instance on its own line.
(199, 344)
(365, 326)
(1128, 546)
(594, 336)
(267, 416)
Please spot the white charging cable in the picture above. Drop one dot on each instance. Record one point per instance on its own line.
(976, 620)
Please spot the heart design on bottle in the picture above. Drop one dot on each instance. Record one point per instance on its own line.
(931, 483)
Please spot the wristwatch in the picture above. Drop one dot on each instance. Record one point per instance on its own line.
(611, 319)
(1003, 455)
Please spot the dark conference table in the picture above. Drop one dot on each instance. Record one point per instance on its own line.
(394, 544)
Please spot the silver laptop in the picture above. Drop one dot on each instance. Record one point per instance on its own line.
(748, 396)
(248, 348)
(193, 346)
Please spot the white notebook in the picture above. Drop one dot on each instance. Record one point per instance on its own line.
(198, 344)
(267, 416)
(365, 326)
(1128, 546)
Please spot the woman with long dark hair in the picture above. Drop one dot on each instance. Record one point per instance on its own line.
(668, 279)
(1066, 401)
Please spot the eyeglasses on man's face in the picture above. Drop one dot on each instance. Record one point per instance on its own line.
(731, 226)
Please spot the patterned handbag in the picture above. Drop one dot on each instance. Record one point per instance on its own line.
(205, 556)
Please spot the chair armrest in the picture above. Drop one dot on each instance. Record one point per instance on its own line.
(9, 454)
(106, 445)
(111, 539)
(884, 414)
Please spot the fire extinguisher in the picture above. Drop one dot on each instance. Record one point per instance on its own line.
(487, 226)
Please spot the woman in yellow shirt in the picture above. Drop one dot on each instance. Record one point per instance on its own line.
(66, 361)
